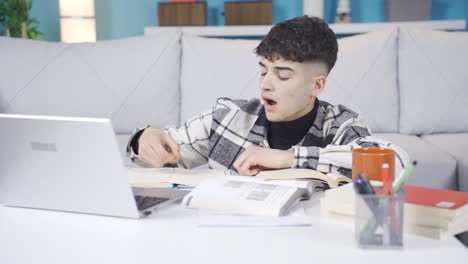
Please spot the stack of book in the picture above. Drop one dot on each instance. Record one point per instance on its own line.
(434, 213)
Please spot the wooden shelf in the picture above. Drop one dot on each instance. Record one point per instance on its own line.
(248, 13)
(351, 28)
(182, 14)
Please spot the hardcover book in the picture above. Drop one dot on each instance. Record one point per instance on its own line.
(436, 202)
(434, 213)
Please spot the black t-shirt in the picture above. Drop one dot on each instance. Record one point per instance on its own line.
(284, 135)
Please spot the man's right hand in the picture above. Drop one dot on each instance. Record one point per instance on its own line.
(157, 148)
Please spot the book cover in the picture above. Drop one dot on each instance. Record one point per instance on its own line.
(409, 227)
(435, 202)
(442, 204)
(434, 213)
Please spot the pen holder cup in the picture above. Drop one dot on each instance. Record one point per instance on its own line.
(379, 220)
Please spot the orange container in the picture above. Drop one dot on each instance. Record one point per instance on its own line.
(369, 161)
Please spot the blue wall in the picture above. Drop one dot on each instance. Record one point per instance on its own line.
(123, 18)
(450, 9)
(47, 11)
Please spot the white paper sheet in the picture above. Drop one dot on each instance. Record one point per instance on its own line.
(295, 217)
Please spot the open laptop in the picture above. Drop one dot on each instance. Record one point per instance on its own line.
(70, 164)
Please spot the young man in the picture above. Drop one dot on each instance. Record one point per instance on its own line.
(288, 128)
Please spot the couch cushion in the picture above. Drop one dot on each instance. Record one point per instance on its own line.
(457, 146)
(134, 81)
(366, 68)
(365, 78)
(435, 169)
(433, 81)
(213, 68)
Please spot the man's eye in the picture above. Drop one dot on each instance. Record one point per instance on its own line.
(283, 77)
(263, 73)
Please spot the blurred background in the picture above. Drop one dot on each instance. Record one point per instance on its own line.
(123, 18)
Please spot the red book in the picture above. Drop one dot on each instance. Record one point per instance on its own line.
(435, 202)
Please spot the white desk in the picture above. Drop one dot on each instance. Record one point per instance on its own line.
(172, 236)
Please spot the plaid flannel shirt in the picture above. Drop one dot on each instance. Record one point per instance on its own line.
(219, 136)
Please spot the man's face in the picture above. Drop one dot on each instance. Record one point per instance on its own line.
(288, 89)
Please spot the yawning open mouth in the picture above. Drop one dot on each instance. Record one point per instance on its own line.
(270, 102)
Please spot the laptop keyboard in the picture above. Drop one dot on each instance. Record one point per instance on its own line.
(145, 202)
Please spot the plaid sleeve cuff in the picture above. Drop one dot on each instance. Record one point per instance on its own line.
(129, 151)
(306, 157)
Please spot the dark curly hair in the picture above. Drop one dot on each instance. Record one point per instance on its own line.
(300, 39)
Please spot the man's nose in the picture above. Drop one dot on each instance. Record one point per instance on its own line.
(265, 82)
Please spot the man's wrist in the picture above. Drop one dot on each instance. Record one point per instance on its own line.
(133, 144)
(135, 141)
(289, 158)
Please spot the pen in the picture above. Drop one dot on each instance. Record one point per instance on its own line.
(401, 180)
(362, 183)
(367, 184)
(358, 186)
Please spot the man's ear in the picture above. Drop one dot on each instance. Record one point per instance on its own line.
(318, 85)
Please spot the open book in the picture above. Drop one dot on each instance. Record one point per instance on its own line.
(167, 177)
(248, 195)
(331, 180)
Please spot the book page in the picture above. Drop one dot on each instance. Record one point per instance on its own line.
(309, 186)
(296, 174)
(242, 195)
(194, 177)
(162, 177)
(296, 216)
(339, 179)
(289, 182)
(149, 175)
(152, 184)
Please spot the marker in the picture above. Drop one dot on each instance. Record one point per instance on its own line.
(399, 183)
(397, 178)
(387, 181)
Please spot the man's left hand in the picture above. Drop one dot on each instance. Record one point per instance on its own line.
(255, 158)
